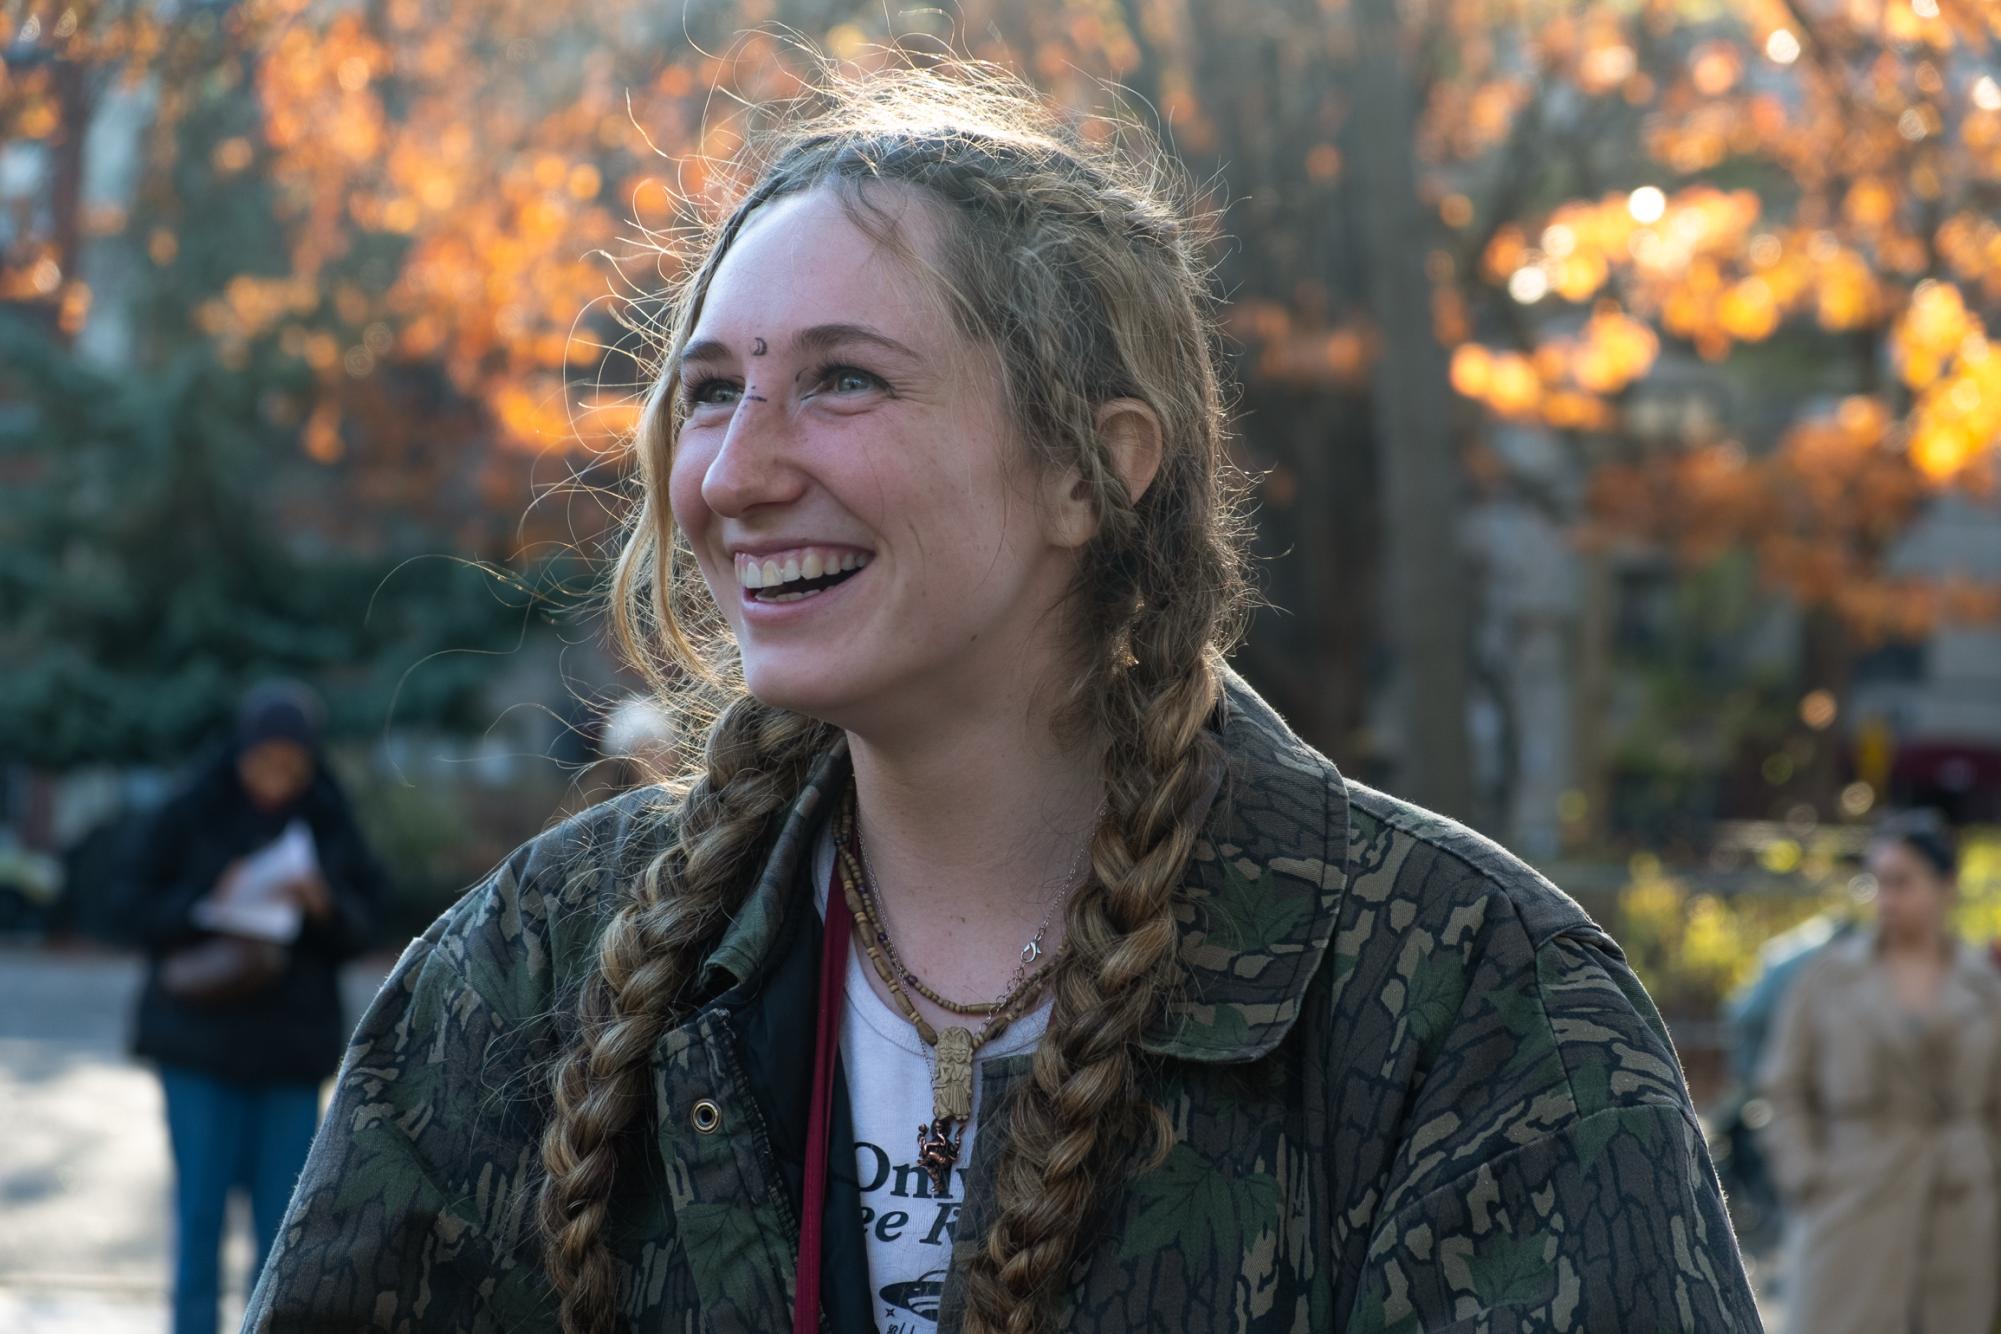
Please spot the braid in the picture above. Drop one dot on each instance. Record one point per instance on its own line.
(1084, 1092)
(671, 916)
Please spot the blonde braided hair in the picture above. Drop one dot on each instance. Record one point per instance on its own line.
(1077, 269)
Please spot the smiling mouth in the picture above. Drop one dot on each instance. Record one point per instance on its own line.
(794, 578)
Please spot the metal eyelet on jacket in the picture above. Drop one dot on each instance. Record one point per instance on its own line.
(707, 1117)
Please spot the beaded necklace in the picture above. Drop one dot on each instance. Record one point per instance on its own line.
(938, 1144)
(1030, 952)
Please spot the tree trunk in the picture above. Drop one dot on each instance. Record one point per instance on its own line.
(1591, 760)
(1425, 601)
(69, 82)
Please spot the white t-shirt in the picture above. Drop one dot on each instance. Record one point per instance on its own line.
(888, 1070)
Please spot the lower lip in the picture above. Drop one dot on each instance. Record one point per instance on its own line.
(756, 611)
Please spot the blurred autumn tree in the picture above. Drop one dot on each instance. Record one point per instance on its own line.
(165, 540)
(1740, 258)
(144, 583)
(1710, 275)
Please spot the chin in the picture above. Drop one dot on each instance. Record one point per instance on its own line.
(805, 688)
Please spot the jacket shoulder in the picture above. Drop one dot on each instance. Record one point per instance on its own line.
(526, 931)
(1386, 831)
(1982, 975)
(1492, 997)
(415, 1207)
(1535, 1095)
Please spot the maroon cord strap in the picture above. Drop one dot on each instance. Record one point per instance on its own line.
(827, 1040)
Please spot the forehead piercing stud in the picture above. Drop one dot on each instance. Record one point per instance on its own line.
(758, 347)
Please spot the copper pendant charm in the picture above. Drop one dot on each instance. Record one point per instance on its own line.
(938, 1150)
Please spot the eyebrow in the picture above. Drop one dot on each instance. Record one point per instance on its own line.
(820, 338)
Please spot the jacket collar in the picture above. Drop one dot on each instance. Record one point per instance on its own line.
(1968, 976)
(1864, 944)
(1256, 906)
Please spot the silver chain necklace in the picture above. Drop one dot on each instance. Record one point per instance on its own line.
(1033, 949)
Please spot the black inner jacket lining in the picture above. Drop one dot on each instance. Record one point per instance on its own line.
(774, 1011)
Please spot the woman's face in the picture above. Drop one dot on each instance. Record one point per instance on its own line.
(1912, 898)
(849, 482)
(274, 772)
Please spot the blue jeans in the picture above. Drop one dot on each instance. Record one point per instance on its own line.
(224, 1135)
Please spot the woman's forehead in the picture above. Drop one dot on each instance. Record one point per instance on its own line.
(276, 750)
(802, 262)
(1889, 851)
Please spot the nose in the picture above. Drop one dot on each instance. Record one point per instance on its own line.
(754, 465)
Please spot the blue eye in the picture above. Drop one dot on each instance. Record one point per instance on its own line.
(713, 391)
(850, 380)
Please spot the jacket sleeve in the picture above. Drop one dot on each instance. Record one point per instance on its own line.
(415, 1210)
(1791, 1140)
(357, 885)
(169, 878)
(1552, 1174)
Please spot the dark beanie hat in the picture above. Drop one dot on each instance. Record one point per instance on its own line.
(279, 710)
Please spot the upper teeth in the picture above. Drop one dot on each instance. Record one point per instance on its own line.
(790, 566)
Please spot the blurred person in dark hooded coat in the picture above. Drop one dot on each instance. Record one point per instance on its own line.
(242, 1055)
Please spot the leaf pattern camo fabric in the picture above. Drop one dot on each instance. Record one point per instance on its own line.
(1413, 1087)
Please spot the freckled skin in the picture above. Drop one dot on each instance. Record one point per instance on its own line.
(906, 454)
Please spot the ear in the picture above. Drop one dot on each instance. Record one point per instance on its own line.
(1131, 433)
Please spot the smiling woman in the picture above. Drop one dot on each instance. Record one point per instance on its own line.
(1006, 964)
(844, 440)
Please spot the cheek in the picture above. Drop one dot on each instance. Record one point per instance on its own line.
(684, 487)
(976, 498)
(691, 513)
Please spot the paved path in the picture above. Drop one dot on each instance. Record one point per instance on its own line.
(84, 1172)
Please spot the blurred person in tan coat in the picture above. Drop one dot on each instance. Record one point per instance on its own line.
(1884, 1084)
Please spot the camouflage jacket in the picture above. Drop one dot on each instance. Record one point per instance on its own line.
(1414, 1088)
